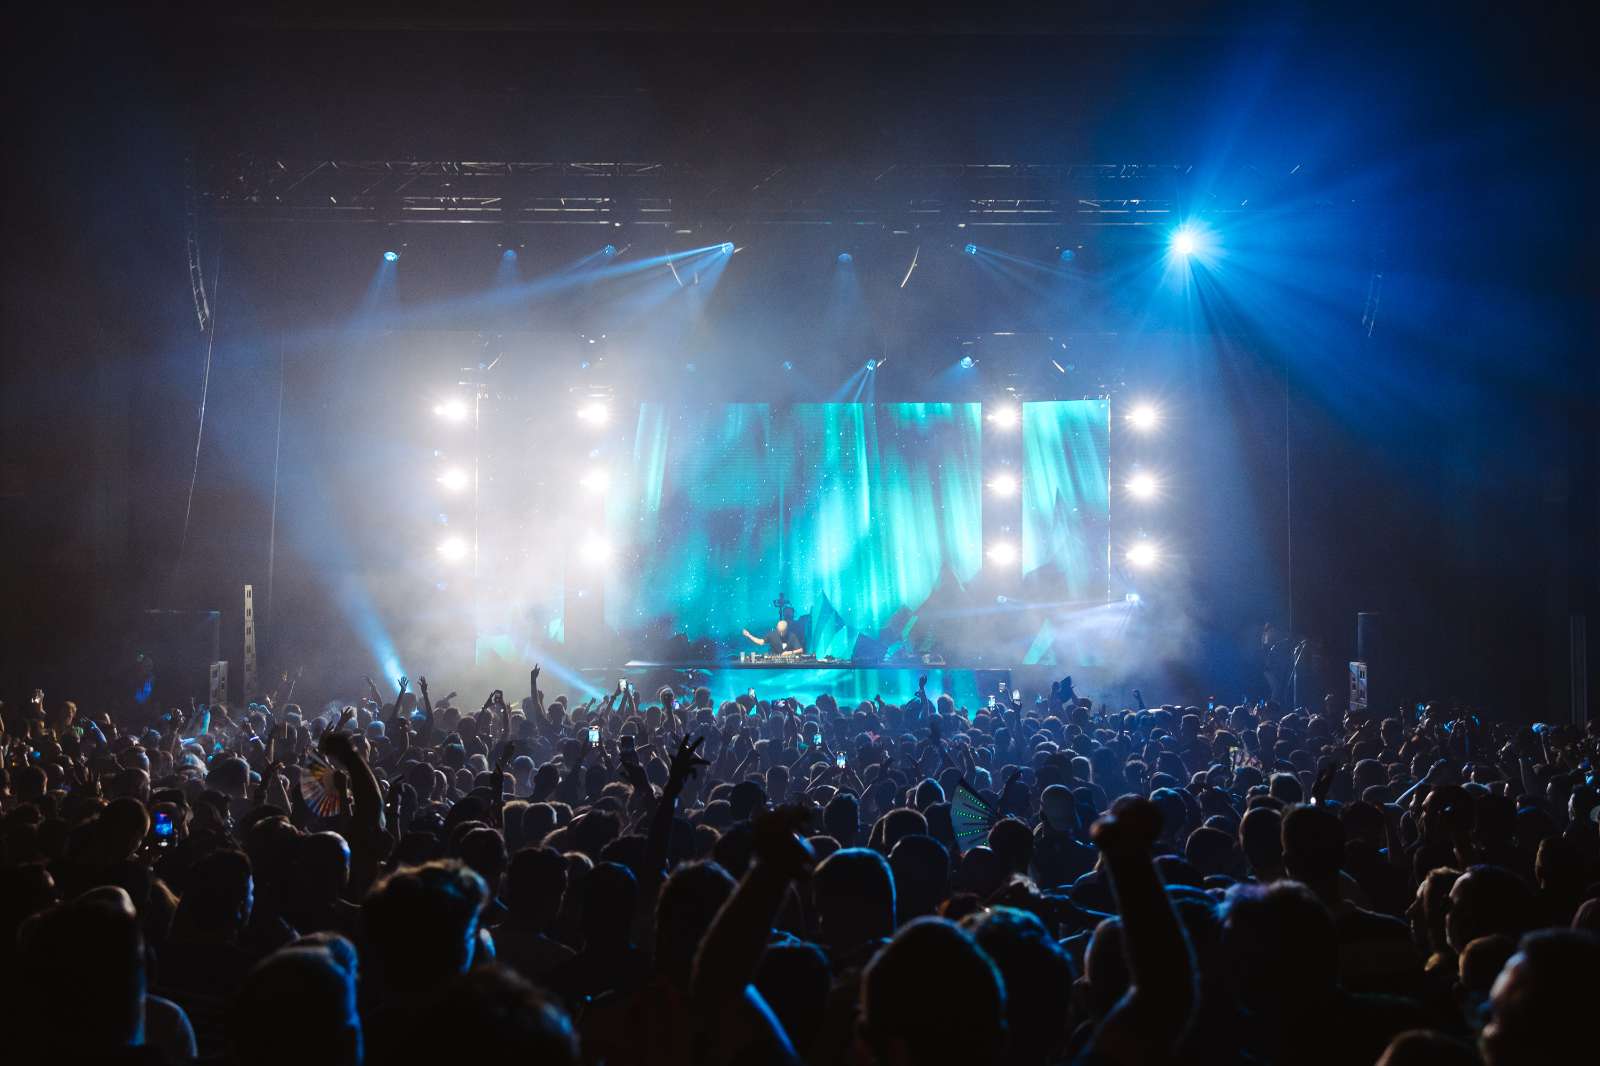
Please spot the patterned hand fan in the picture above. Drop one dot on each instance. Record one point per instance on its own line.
(971, 816)
(320, 787)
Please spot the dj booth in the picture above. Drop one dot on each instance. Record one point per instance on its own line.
(846, 681)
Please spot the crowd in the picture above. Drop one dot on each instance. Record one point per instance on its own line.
(639, 880)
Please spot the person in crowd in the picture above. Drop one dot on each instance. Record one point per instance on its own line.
(672, 881)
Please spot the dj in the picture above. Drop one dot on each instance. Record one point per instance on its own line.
(781, 639)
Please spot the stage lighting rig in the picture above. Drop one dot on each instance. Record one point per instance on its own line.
(1005, 417)
(1143, 555)
(1143, 486)
(1002, 553)
(453, 410)
(1144, 417)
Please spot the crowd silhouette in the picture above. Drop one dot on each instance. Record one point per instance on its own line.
(659, 879)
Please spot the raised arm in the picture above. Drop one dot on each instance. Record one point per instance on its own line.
(1150, 1018)
(726, 962)
(366, 812)
(425, 736)
(686, 762)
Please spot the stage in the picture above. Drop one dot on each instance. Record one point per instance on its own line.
(847, 682)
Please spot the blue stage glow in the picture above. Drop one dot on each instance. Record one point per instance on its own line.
(967, 362)
(509, 253)
(845, 257)
(788, 364)
(389, 257)
(872, 364)
(609, 250)
(1067, 255)
(727, 248)
(971, 249)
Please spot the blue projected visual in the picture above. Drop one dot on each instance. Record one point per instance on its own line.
(869, 518)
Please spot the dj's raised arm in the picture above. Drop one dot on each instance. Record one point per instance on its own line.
(781, 639)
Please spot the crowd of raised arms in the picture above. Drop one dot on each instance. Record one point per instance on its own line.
(666, 881)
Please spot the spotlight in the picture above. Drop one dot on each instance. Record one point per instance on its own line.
(727, 247)
(1003, 485)
(455, 410)
(509, 253)
(609, 250)
(1144, 417)
(389, 257)
(967, 362)
(596, 413)
(455, 479)
(1142, 486)
(1133, 598)
(596, 480)
(846, 257)
(1002, 553)
(1068, 255)
(1143, 555)
(453, 549)
(595, 550)
(1004, 417)
(971, 249)
(788, 364)
(1185, 241)
(872, 364)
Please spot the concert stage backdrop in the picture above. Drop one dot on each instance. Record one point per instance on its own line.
(877, 522)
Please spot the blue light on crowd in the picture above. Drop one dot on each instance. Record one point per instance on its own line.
(389, 257)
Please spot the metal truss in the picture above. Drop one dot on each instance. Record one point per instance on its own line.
(677, 195)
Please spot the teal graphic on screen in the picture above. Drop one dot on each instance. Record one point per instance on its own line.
(869, 518)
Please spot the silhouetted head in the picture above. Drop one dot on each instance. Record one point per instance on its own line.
(913, 973)
(297, 1003)
(853, 892)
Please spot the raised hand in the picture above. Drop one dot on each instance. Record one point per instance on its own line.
(634, 775)
(1133, 824)
(403, 685)
(337, 747)
(686, 761)
(777, 842)
(1324, 782)
(422, 684)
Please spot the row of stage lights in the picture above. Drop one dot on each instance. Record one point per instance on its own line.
(453, 479)
(1142, 554)
(1188, 239)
